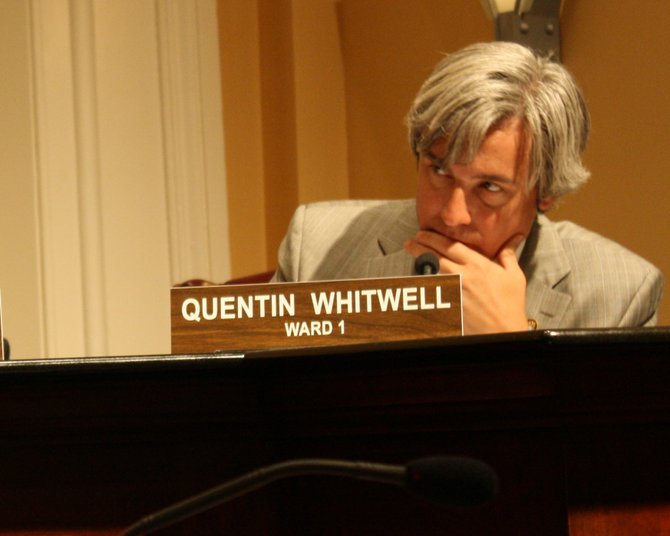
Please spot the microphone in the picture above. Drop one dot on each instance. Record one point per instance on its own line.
(427, 264)
(453, 481)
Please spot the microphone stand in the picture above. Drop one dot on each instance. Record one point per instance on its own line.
(389, 474)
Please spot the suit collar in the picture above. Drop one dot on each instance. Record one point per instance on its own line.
(545, 263)
(393, 259)
(393, 237)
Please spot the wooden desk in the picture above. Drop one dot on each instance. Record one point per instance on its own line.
(576, 423)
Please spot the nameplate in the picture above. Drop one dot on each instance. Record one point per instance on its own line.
(323, 313)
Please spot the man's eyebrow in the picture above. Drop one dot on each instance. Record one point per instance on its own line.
(494, 178)
(433, 158)
(482, 176)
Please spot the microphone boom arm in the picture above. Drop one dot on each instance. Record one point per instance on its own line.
(388, 474)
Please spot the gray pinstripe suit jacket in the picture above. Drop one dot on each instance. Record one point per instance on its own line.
(575, 278)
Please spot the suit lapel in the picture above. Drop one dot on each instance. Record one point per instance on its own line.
(399, 263)
(545, 265)
(393, 260)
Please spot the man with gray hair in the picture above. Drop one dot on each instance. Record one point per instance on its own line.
(498, 133)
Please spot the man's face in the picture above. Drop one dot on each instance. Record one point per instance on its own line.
(484, 203)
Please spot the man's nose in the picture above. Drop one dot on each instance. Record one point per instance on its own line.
(455, 210)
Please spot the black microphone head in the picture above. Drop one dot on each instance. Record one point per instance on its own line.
(454, 481)
(427, 263)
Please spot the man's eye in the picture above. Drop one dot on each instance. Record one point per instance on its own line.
(439, 170)
(491, 187)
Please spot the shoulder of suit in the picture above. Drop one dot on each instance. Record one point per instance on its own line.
(577, 240)
(346, 210)
(359, 205)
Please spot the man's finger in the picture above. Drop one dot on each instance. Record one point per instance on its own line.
(446, 247)
(507, 256)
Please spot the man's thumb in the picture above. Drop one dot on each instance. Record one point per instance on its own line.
(507, 255)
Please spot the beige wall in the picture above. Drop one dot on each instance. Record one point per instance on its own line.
(112, 184)
(19, 274)
(383, 50)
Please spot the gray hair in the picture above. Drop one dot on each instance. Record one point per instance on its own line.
(475, 89)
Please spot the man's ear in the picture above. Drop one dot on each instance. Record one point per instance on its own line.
(545, 204)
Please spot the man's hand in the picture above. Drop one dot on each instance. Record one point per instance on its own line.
(494, 290)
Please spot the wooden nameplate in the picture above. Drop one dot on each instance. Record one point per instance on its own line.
(322, 313)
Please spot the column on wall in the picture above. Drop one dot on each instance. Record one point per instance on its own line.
(285, 130)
